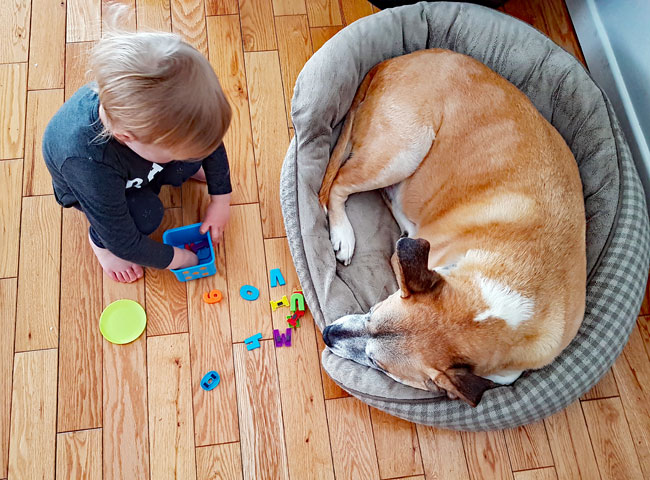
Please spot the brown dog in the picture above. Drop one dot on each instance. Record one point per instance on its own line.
(495, 282)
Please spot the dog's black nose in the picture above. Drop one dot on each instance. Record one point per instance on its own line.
(326, 336)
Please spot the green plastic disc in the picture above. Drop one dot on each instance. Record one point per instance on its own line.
(122, 321)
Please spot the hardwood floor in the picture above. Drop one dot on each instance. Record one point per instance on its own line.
(74, 406)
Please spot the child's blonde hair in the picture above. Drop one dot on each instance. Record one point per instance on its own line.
(160, 89)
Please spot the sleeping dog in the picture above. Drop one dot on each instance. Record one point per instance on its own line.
(492, 265)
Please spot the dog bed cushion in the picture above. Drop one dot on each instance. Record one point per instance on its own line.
(617, 223)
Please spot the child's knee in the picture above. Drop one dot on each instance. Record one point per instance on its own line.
(146, 209)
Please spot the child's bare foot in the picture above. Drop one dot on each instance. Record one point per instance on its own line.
(116, 268)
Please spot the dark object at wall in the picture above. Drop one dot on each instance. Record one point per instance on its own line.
(398, 3)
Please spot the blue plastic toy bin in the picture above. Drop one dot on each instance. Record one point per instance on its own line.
(181, 236)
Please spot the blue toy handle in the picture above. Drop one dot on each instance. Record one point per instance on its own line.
(210, 380)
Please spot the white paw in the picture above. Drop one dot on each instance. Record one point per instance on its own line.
(342, 236)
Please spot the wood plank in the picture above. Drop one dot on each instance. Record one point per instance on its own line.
(227, 59)
(125, 428)
(645, 305)
(569, 440)
(606, 387)
(289, 7)
(294, 49)
(84, 20)
(127, 23)
(80, 344)
(171, 439)
(320, 35)
(353, 10)
(219, 462)
(351, 439)
(76, 66)
(47, 45)
(257, 25)
(305, 420)
(11, 175)
(527, 11)
(13, 97)
(443, 455)
(41, 107)
(8, 289)
(528, 447)
(37, 314)
(270, 137)
(610, 437)
(14, 31)
(396, 444)
(632, 371)
(166, 296)
(260, 415)
(33, 416)
(153, 15)
(487, 455)
(246, 265)
(539, 474)
(644, 328)
(559, 26)
(188, 21)
(323, 13)
(330, 389)
(221, 7)
(79, 455)
(170, 196)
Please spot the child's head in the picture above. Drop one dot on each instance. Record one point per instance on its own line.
(159, 96)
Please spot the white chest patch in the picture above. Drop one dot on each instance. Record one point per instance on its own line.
(503, 303)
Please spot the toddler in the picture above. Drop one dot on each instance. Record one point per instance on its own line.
(155, 115)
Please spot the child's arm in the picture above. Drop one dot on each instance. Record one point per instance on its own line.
(217, 176)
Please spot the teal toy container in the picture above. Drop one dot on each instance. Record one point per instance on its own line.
(189, 234)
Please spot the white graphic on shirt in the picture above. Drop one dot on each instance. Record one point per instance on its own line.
(137, 182)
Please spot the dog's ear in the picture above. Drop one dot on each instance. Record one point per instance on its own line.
(410, 264)
(461, 383)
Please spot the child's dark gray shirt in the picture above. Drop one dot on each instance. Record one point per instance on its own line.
(95, 174)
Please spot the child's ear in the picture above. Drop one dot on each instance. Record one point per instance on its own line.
(411, 266)
(124, 137)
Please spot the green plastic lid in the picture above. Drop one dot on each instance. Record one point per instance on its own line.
(122, 321)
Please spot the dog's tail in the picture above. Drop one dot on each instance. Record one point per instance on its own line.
(343, 146)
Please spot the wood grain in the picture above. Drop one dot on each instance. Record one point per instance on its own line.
(33, 416)
(76, 66)
(80, 343)
(125, 427)
(170, 196)
(644, 328)
(8, 288)
(289, 7)
(219, 462)
(353, 10)
(305, 420)
(487, 455)
(188, 21)
(260, 414)
(41, 107)
(153, 15)
(79, 455)
(320, 35)
(13, 97)
(539, 474)
(166, 296)
(351, 439)
(270, 137)
(294, 49)
(443, 455)
(528, 447)
(396, 444)
(632, 371)
(47, 45)
(246, 265)
(323, 13)
(221, 7)
(330, 389)
(570, 444)
(645, 305)
(11, 175)
(84, 20)
(37, 314)
(14, 31)
(606, 387)
(227, 59)
(257, 25)
(171, 438)
(559, 26)
(610, 437)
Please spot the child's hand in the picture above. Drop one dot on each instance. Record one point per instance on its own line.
(216, 216)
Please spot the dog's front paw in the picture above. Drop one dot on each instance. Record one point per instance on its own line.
(342, 237)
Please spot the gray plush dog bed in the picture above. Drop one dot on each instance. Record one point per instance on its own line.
(618, 239)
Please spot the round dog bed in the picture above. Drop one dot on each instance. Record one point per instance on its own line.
(618, 238)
